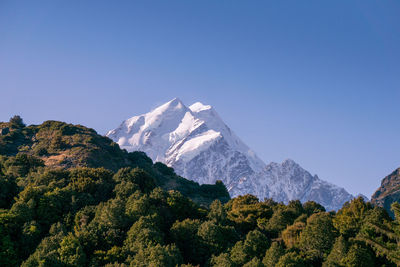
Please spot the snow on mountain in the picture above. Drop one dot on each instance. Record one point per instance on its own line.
(288, 181)
(200, 146)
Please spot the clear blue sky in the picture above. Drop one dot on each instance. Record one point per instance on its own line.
(315, 81)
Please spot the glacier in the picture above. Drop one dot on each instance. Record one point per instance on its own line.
(197, 143)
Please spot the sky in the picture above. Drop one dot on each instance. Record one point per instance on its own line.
(314, 81)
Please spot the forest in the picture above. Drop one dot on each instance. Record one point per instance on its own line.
(70, 197)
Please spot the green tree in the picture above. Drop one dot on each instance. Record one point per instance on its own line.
(16, 122)
(71, 252)
(8, 253)
(359, 255)
(144, 233)
(110, 223)
(273, 254)
(46, 253)
(318, 235)
(349, 219)
(184, 235)
(383, 234)
(8, 190)
(338, 253)
(180, 206)
(22, 164)
(96, 182)
(246, 210)
(291, 259)
(255, 245)
(217, 212)
(311, 207)
(281, 218)
(222, 260)
(216, 237)
(157, 255)
(255, 262)
(137, 176)
(139, 205)
(125, 188)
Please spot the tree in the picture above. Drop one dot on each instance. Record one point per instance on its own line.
(273, 254)
(216, 237)
(180, 206)
(311, 207)
(46, 253)
(255, 262)
(124, 189)
(222, 260)
(144, 233)
(337, 254)
(137, 176)
(184, 235)
(291, 259)
(139, 205)
(255, 245)
(359, 255)
(280, 219)
(96, 182)
(291, 235)
(30, 237)
(217, 212)
(295, 207)
(16, 122)
(318, 235)
(246, 210)
(8, 253)
(8, 190)
(383, 234)
(71, 252)
(22, 164)
(157, 255)
(349, 219)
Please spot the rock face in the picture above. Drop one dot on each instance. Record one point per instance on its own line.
(288, 181)
(388, 192)
(200, 146)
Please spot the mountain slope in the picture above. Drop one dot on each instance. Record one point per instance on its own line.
(200, 146)
(388, 192)
(288, 181)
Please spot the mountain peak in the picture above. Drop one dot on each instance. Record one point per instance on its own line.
(198, 144)
(174, 104)
(175, 100)
(289, 162)
(198, 106)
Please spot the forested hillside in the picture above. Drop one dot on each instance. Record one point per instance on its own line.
(69, 197)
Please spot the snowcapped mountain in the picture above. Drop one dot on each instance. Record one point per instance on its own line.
(200, 146)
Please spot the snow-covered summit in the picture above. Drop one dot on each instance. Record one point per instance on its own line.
(172, 132)
(197, 143)
(198, 106)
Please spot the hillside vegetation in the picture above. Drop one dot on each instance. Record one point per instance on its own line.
(70, 197)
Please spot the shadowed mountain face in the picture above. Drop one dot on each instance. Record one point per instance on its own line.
(197, 143)
(388, 192)
(61, 145)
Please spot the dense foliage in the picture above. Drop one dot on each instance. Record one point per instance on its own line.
(58, 215)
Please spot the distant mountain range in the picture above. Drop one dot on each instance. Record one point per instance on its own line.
(197, 143)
